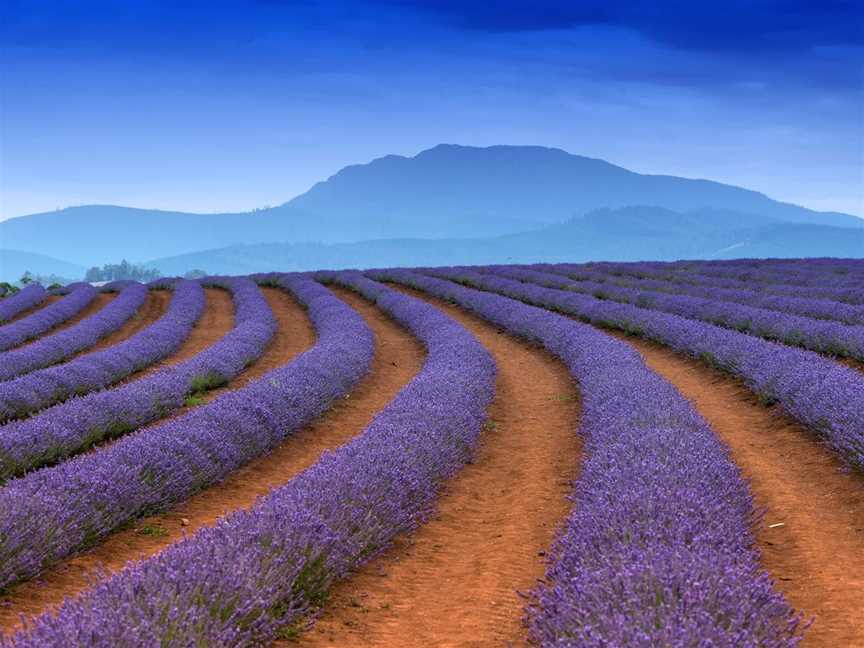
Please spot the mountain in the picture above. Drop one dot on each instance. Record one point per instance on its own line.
(524, 183)
(447, 192)
(626, 234)
(14, 263)
(793, 240)
(99, 234)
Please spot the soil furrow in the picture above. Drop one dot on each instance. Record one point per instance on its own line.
(812, 534)
(215, 322)
(152, 309)
(50, 299)
(99, 302)
(398, 357)
(455, 581)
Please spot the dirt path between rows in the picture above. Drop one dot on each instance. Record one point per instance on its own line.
(454, 581)
(100, 301)
(817, 556)
(398, 357)
(152, 309)
(50, 299)
(216, 320)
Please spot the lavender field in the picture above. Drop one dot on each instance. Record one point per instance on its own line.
(596, 454)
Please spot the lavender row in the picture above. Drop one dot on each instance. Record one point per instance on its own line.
(818, 335)
(46, 318)
(826, 309)
(44, 387)
(54, 512)
(236, 583)
(28, 297)
(68, 428)
(827, 290)
(54, 348)
(790, 274)
(823, 395)
(657, 549)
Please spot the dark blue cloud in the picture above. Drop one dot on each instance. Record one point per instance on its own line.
(689, 24)
(732, 25)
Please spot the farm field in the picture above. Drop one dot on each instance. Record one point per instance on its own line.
(600, 454)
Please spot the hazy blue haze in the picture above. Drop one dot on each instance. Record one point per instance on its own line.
(451, 192)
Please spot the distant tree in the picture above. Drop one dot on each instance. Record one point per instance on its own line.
(122, 270)
(7, 289)
(197, 273)
(26, 278)
(52, 280)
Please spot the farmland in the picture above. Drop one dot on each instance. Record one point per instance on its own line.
(600, 454)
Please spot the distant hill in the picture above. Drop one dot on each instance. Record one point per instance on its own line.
(14, 263)
(524, 184)
(787, 240)
(447, 192)
(625, 234)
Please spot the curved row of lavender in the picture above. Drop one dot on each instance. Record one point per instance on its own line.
(823, 395)
(843, 294)
(47, 318)
(817, 335)
(44, 387)
(54, 512)
(28, 297)
(794, 272)
(236, 583)
(807, 306)
(657, 550)
(54, 348)
(75, 425)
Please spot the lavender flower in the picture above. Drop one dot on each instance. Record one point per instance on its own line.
(657, 550)
(28, 297)
(46, 318)
(75, 425)
(234, 584)
(823, 395)
(817, 335)
(51, 513)
(54, 348)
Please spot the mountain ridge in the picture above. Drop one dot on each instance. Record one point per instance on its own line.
(445, 192)
(671, 236)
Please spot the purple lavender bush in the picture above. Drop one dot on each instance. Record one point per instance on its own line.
(54, 512)
(850, 294)
(28, 297)
(54, 348)
(43, 320)
(825, 309)
(817, 335)
(658, 549)
(795, 272)
(44, 387)
(75, 425)
(823, 395)
(237, 583)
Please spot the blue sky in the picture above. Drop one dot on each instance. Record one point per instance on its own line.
(221, 106)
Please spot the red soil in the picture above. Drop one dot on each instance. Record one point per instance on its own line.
(99, 302)
(454, 581)
(817, 556)
(50, 299)
(215, 322)
(398, 357)
(151, 310)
